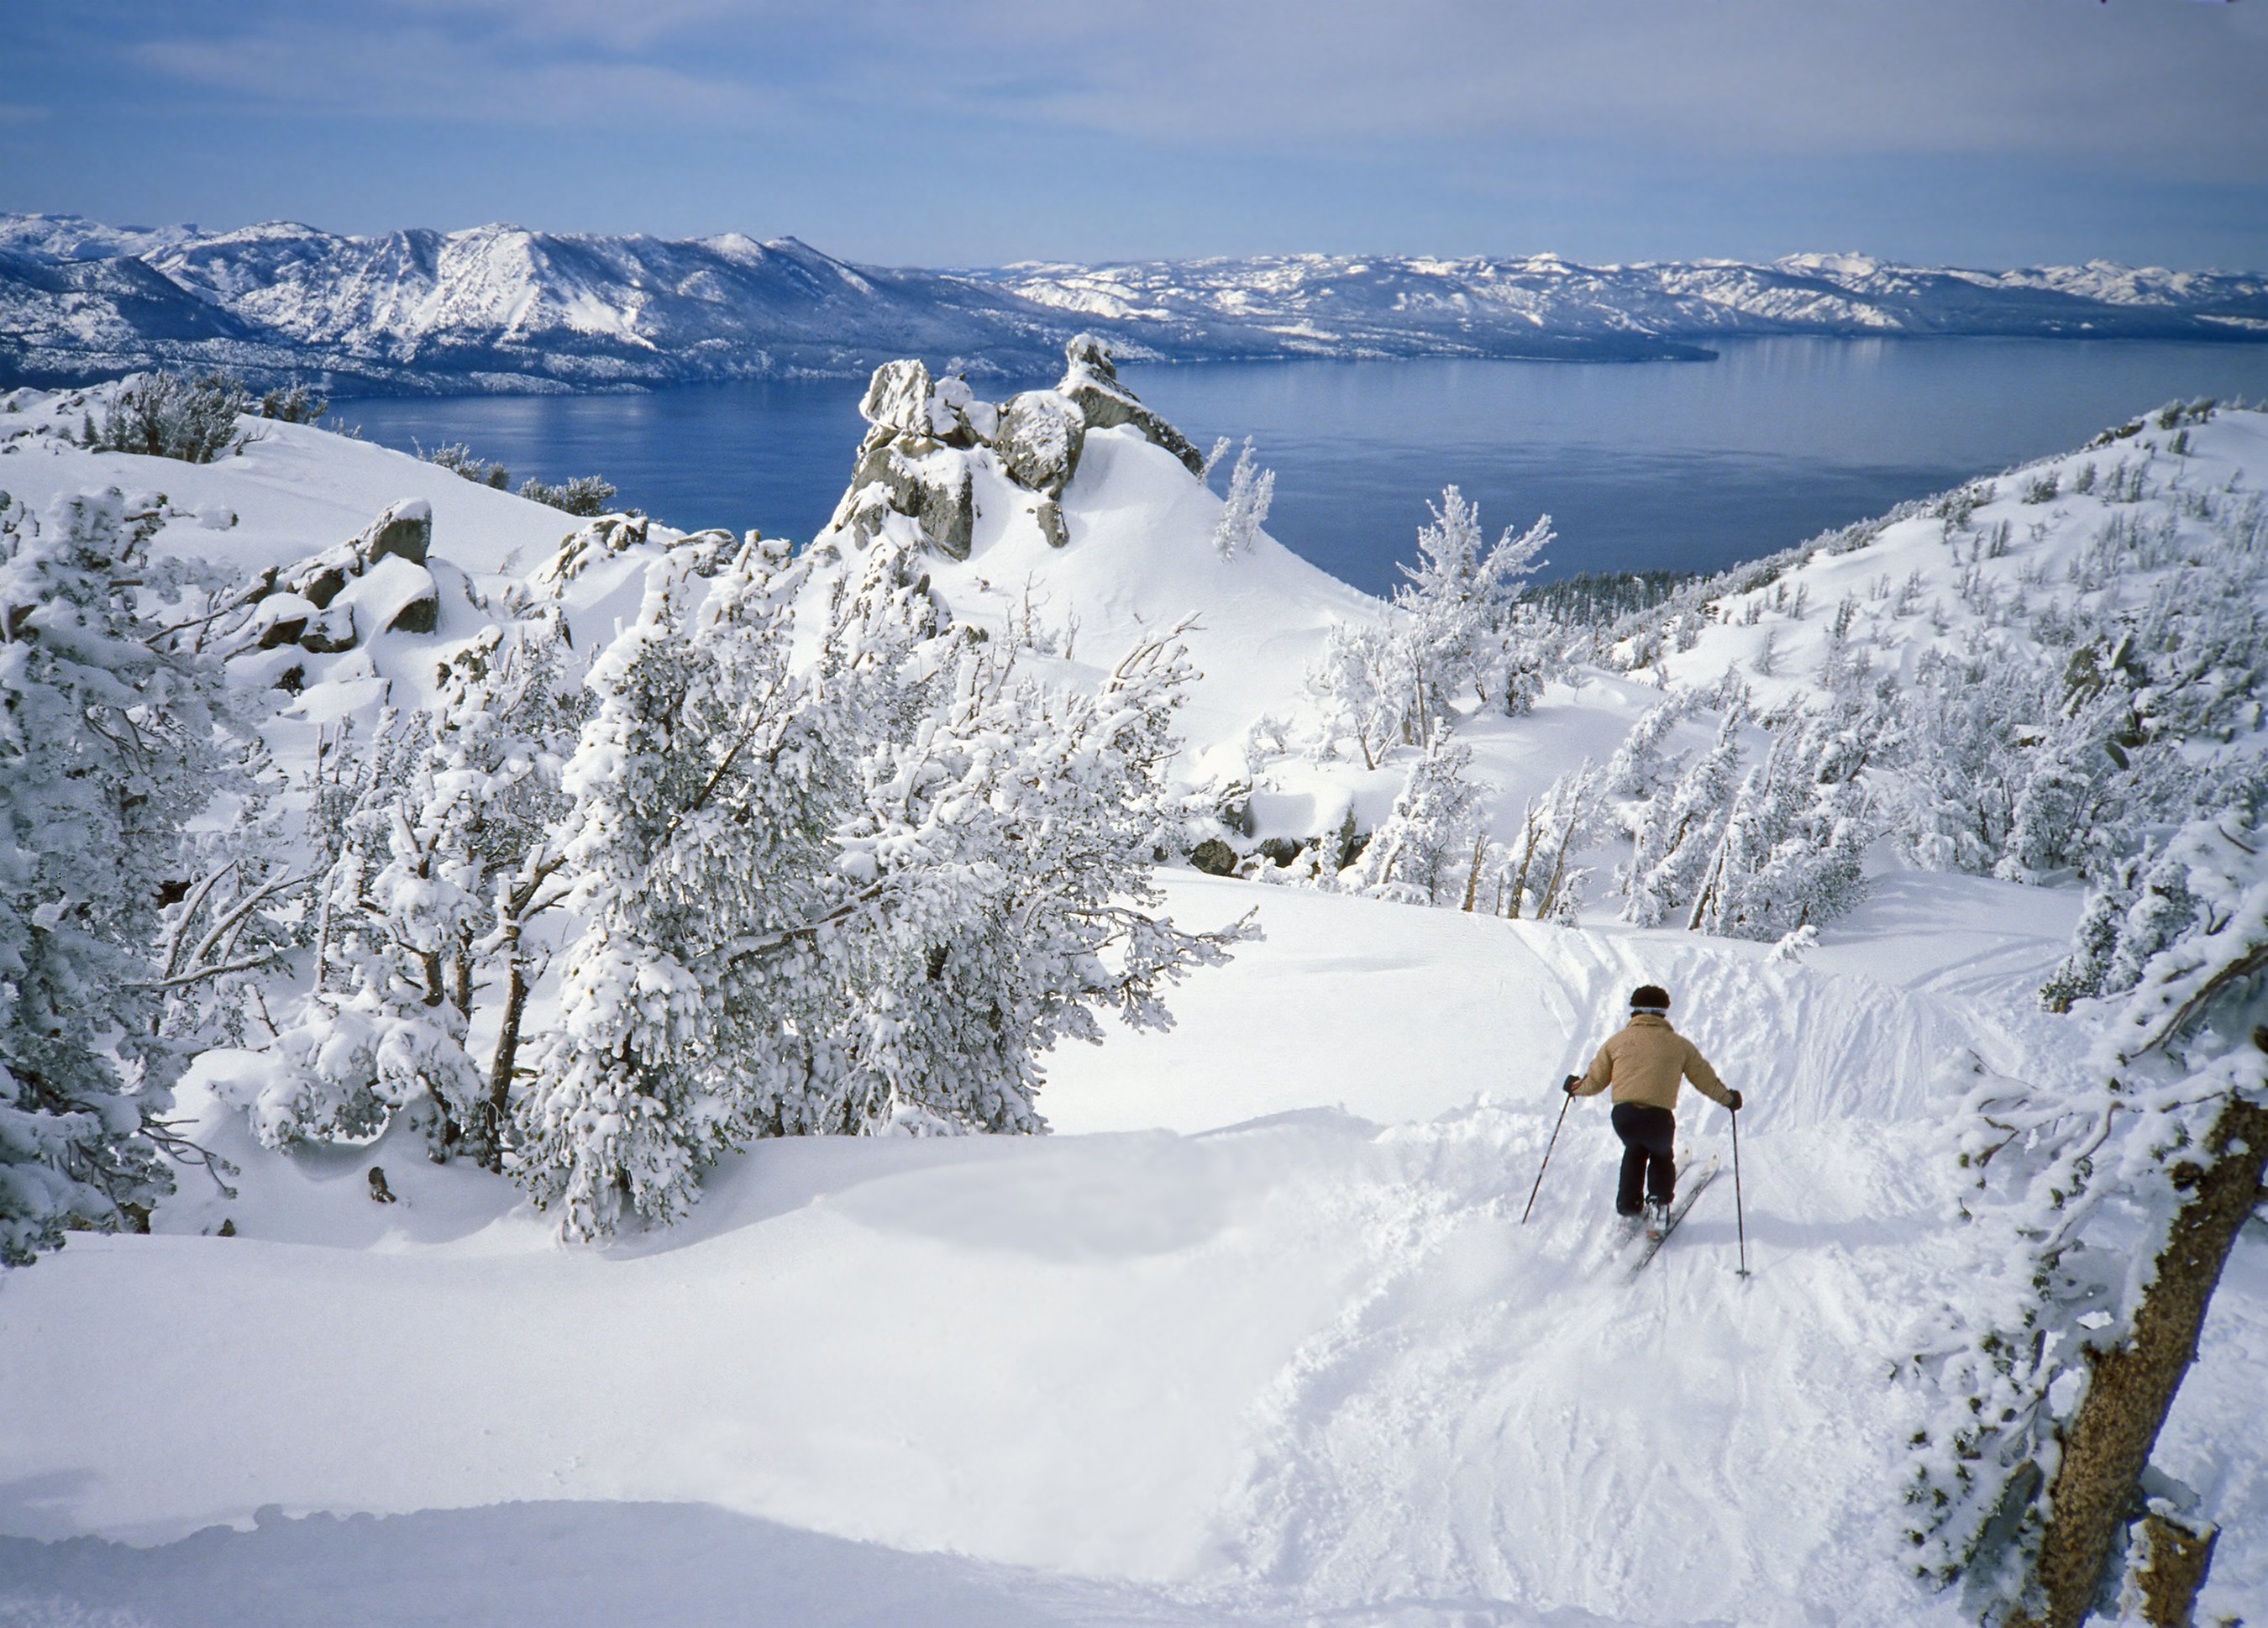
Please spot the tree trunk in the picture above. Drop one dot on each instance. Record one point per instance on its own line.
(1551, 883)
(2178, 1561)
(2109, 1442)
(500, 1070)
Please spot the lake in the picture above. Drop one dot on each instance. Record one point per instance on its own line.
(1686, 466)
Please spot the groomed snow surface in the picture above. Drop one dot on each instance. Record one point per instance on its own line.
(1282, 1354)
(1257, 1339)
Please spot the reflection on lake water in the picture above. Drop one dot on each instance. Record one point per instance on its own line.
(1682, 465)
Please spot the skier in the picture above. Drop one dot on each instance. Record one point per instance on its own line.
(1645, 1061)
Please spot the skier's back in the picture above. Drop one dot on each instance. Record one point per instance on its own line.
(1644, 1063)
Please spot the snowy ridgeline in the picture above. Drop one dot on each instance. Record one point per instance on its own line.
(464, 885)
(499, 307)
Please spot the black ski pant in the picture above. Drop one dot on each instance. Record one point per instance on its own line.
(1649, 1160)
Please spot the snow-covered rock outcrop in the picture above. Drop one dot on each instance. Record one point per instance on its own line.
(1076, 521)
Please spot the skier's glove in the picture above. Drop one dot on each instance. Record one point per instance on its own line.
(1735, 1104)
(1573, 1081)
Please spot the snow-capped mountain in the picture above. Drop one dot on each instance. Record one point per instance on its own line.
(1541, 305)
(496, 308)
(499, 307)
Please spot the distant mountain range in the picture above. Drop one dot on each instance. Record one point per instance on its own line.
(498, 308)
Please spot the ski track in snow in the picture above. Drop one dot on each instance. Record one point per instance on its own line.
(1309, 1367)
(1498, 1416)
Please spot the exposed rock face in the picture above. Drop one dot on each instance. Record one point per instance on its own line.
(1049, 514)
(406, 529)
(906, 464)
(1214, 858)
(902, 399)
(1041, 436)
(392, 595)
(318, 577)
(329, 631)
(286, 615)
(939, 494)
(1090, 382)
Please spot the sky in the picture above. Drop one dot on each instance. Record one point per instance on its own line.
(951, 133)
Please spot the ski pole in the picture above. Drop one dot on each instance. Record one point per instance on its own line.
(1567, 1102)
(1739, 1217)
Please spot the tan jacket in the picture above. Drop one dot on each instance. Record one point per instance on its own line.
(1644, 1062)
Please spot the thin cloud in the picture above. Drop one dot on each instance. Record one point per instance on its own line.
(2131, 83)
(1927, 77)
(635, 26)
(418, 73)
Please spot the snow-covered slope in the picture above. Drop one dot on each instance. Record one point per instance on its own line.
(2097, 530)
(1258, 1337)
(1308, 1364)
(294, 489)
(501, 307)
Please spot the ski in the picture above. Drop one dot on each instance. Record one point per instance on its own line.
(1695, 1184)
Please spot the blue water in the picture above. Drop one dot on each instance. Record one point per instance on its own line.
(1689, 466)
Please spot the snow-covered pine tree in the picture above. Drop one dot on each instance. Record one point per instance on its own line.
(1362, 685)
(2107, 1207)
(1244, 511)
(1638, 767)
(1957, 742)
(241, 911)
(2069, 805)
(2085, 973)
(1678, 839)
(1421, 851)
(376, 1033)
(1455, 602)
(506, 722)
(692, 777)
(106, 749)
(1791, 852)
(1005, 832)
(849, 896)
(1537, 873)
(439, 864)
(1525, 652)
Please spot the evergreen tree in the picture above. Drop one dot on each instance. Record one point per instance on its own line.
(857, 896)
(1792, 852)
(1362, 686)
(1539, 880)
(441, 859)
(2109, 1204)
(1638, 767)
(1678, 839)
(1420, 852)
(1455, 601)
(1251, 490)
(681, 789)
(106, 749)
